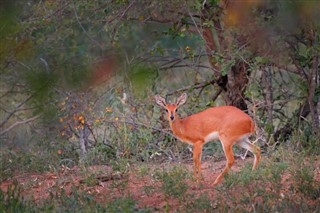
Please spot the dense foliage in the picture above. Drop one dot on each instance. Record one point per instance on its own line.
(78, 78)
(84, 68)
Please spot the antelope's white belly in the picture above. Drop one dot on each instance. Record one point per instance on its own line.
(211, 137)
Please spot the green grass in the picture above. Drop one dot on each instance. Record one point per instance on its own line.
(173, 182)
(25, 161)
(284, 182)
(61, 201)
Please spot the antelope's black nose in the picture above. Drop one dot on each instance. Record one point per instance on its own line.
(172, 117)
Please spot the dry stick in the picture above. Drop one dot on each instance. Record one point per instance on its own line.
(120, 17)
(72, 130)
(94, 137)
(195, 86)
(7, 92)
(214, 98)
(259, 137)
(186, 65)
(83, 29)
(104, 178)
(148, 127)
(15, 110)
(141, 124)
(18, 123)
(122, 14)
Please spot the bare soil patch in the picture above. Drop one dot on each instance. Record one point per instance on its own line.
(104, 184)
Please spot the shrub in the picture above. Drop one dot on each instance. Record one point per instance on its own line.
(173, 182)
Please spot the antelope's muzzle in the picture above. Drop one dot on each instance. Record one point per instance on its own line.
(172, 116)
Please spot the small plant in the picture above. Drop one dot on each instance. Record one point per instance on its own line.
(173, 182)
(200, 204)
(99, 155)
(120, 185)
(62, 200)
(91, 180)
(120, 166)
(122, 204)
(304, 181)
(268, 188)
(12, 201)
(149, 189)
(34, 160)
(142, 171)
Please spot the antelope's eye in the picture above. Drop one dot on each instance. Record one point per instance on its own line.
(176, 110)
(167, 110)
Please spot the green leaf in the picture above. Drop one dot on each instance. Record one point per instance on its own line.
(142, 79)
(303, 50)
(261, 60)
(227, 66)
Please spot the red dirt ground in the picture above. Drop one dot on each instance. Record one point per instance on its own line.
(38, 186)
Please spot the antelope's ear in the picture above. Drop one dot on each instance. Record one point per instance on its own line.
(160, 101)
(181, 100)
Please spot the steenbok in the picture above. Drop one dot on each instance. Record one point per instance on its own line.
(227, 123)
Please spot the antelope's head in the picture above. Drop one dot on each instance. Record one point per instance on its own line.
(171, 109)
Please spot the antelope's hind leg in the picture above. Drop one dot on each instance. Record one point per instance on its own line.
(227, 148)
(255, 150)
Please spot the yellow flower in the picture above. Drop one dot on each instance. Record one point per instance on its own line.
(116, 118)
(108, 109)
(61, 120)
(188, 48)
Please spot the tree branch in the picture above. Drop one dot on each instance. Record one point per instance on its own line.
(195, 86)
(15, 110)
(141, 124)
(18, 123)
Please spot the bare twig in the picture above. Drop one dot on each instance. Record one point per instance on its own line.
(216, 95)
(141, 124)
(81, 26)
(15, 110)
(94, 137)
(253, 142)
(18, 123)
(194, 86)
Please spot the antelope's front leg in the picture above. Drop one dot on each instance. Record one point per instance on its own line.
(197, 151)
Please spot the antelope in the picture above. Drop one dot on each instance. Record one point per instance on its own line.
(227, 123)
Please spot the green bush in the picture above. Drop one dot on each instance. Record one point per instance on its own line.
(303, 179)
(25, 161)
(61, 201)
(202, 203)
(173, 182)
(99, 155)
(266, 189)
(12, 200)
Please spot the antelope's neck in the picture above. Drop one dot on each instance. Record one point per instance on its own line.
(176, 127)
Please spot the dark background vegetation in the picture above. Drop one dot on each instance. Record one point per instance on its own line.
(77, 81)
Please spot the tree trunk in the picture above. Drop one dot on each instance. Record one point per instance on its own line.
(266, 82)
(83, 140)
(236, 85)
(312, 99)
(285, 132)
